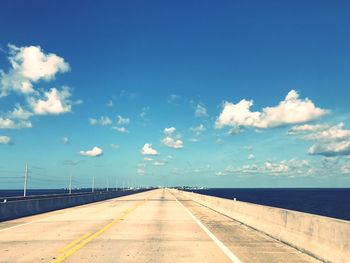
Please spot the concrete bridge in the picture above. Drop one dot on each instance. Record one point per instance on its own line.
(155, 226)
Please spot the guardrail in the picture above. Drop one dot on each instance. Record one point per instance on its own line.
(325, 238)
(26, 207)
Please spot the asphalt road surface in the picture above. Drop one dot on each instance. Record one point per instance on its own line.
(153, 226)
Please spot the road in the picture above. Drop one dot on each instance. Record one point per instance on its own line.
(153, 226)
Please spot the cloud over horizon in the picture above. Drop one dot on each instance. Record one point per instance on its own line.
(171, 139)
(94, 152)
(292, 110)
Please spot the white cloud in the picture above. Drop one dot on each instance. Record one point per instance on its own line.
(103, 120)
(336, 132)
(114, 146)
(120, 129)
(5, 140)
(148, 150)
(148, 159)
(235, 130)
(198, 130)
(65, 140)
(29, 65)
(123, 121)
(251, 156)
(173, 99)
(200, 111)
(307, 128)
(333, 148)
(156, 163)
(193, 140)
(55, 102)
(291, 110)
(171, 140)
(20, 113)
(6, 123)
(94, 152)
(329, 140)
(290, 168)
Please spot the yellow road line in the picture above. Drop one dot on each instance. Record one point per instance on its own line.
(74, 242)
(84, 241)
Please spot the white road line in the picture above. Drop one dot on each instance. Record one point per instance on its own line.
(228, 252)
(24, 224)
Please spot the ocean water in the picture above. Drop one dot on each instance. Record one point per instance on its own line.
(330, 202)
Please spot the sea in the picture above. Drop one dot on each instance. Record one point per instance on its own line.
(330, 202)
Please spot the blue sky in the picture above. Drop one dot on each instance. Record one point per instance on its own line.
(227, 94)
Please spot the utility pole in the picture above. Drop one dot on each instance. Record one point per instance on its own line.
(116, 183)
(25, 181)
(70, 183)
(93, 184)
(107, 184)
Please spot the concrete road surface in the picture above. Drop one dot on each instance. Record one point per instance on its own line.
(153, 226)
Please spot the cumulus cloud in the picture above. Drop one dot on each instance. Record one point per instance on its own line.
(292, 110)
(29, 65)
(200, 111)
(122, 121)
(328, 140)
(306, 128)
(198, 130)
(251, 156)
(290, 168)
(5, 140)
(120, 129)
(54, 102)
(330, 148)
(171, 139)
(94, 152)
(6, 123)
(103, 120)
(20, 113)
(148, 150)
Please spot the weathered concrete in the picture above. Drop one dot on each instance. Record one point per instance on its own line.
(146, 227)
(30, 206)
(326, 238)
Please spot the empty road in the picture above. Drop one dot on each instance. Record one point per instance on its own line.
(153, 226)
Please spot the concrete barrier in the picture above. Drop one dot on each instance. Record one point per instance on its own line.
(325, 238)
(21, 208)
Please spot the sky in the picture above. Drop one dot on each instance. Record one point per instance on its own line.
(173, 93)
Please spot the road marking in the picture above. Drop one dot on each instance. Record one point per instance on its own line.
(57, 213)
(74, 242)
(28, 223)
(84, 241)
(228, 252)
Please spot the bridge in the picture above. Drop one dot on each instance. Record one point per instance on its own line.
(152, 226)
